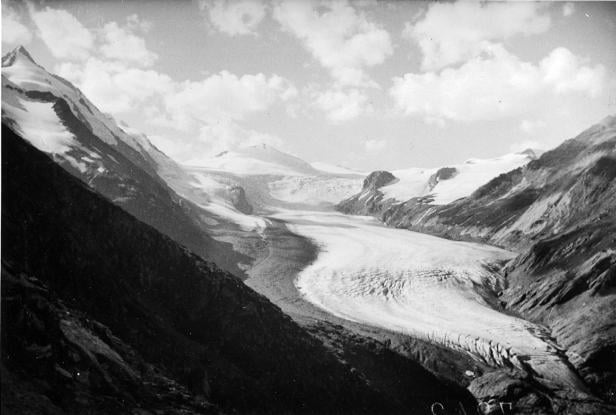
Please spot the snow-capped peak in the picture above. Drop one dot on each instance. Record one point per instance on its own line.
(465, 178)
(261, 159)
(19, 53)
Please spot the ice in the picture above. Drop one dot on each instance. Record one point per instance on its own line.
(420, 285)
(314, 190)
(470, 176)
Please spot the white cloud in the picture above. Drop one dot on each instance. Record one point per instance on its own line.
(566, 73)
(496, 86)
(123, 44)
(210, 139)
(225, 96)
(217, 137)
(235, 17)
(340, 37)
(114, 87)
(14, 32)
(340, 105)
(450, 33)
(63, 34)
(568, 9)
(375, 145)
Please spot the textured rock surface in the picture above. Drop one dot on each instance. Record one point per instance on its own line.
(58, 360)
(125, 168)
(559, 212)
(176, 310)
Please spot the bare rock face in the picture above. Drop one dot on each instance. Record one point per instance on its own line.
(507, 392)
(240, 202)
(49, 349)
(370, 199)
(377, 179)
(441, 174)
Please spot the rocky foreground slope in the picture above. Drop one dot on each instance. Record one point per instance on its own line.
(90, 295)
(559, 212)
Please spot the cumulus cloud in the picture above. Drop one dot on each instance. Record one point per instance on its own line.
(214, 138)
(225, 96)
(340, 105)
(14, 32)
(63, 34)
(494, 86)
(210, 139)
(123, 44)
(114, 87)
(338, 36)
(450, 33)
(235, 17)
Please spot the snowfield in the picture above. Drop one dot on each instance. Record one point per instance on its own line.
(420, 285)
(40, 124)
(470, 175)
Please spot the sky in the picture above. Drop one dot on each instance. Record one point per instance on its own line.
(363, 84)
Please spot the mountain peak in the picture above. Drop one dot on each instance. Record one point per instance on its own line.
(18, 52)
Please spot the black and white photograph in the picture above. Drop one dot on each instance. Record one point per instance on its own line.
(308, 207)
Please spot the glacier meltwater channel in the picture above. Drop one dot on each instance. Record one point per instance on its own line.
(424, 286)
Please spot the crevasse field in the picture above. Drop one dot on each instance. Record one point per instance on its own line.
(418, 284)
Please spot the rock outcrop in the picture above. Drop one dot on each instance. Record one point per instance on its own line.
(377, 179)
(444, 173)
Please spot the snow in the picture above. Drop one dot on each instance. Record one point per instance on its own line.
(210, 191)
(470, 176)
(411, 183)
(41, 126)
(314, 191)
(259, 160)
(335, 169)
(27, 75)
(416, 284)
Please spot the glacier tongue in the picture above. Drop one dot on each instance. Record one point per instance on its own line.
(424, 286)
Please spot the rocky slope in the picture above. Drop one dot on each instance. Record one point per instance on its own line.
(77, 265)
(121, 164)
(436, 186)
(559, 212)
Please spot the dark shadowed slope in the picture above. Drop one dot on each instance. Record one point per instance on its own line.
(185, 316)
(55, 116)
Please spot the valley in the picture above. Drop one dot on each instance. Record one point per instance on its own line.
(443, 281)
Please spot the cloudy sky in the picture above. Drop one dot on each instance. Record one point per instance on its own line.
(364, 84)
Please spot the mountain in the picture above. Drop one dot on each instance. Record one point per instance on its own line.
(270, 179)
(121, 164)
(260, 159)
(559, 212)
(435, 186)
(104, 314)
(102, 303)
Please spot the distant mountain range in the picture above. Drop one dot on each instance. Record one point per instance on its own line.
(559, 212)
(122, 270)
(106, 308)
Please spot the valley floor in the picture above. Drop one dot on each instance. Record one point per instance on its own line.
(430, 288)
